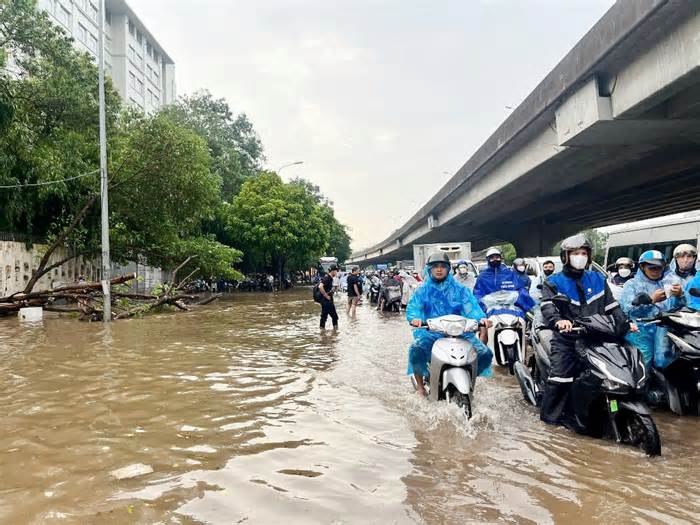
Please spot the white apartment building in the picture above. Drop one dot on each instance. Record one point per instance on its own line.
(140, 69)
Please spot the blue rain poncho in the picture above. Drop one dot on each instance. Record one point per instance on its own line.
(651, 338)
(692, 301)
(433, 299)
(503, 278)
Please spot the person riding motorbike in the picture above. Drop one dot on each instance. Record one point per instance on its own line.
(520, 271)
(666, 293)
(497, 276)
(623, 271)
(685, 257)
(441, 295)
(462, 275)
(589, 294)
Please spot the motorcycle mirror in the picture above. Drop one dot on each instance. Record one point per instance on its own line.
(642, 298)
(695, 292)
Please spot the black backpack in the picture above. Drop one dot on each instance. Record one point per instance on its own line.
(317, 292)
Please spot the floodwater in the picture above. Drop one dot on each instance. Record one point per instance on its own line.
(242, 412)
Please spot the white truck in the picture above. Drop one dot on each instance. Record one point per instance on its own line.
(454, 250)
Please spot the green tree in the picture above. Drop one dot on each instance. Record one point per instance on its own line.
(49, 121)
(277, 224)
(234, 146)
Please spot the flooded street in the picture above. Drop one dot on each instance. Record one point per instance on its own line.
(245, 414)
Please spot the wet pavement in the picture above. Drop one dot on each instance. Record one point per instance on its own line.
(242, 412)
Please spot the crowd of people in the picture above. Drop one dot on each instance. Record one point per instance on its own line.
(665, 284)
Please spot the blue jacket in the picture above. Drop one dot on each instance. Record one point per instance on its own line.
(642, 284)
(433, 299)
(503, 278)
(588, 292)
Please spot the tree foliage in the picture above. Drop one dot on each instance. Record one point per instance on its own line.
(234, 147)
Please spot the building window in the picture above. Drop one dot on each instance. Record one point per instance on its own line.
(139, 37)
(93, 12)
(131, 27)
(108, 17)
(156, 76)
(82, 34)
(82, 4)
(139, 87)
(63, 16)
(132, 80)
(92, 43)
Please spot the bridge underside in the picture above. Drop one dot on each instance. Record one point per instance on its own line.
(622, 144)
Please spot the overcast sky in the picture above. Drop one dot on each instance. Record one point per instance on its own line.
(383, 100)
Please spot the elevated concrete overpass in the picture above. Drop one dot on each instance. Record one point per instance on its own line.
(611, 135)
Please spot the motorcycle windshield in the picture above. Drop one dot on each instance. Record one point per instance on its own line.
(599, 325)
(500, 300)
(688, 319)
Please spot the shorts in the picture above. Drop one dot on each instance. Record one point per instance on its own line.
(353, 300)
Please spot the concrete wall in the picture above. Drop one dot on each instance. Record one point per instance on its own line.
(17, 263)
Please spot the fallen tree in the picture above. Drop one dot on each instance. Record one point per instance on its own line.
(87, 299)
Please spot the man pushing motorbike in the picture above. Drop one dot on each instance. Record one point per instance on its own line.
(441, 295)
(588, 294)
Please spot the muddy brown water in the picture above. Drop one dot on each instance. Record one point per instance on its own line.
(245, 413)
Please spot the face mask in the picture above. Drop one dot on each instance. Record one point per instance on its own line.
(624, 272)
(521, 269)
(578, 262)
(548, 272)
(494, 263)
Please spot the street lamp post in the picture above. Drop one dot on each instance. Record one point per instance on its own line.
(106, 267)
(290, 164)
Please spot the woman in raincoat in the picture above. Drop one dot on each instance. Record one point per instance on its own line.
(652, 279)
(441, 295)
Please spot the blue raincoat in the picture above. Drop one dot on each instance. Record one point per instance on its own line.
(503, 278)
(433, 299)
(693, 302)
(651, 338)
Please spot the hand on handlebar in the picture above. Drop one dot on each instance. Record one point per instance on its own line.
(634, 328)
(564, 325)
(416, 323)
(485, 322)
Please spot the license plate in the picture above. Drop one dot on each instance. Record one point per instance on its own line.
(613, 405)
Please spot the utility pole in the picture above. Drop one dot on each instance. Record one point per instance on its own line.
(106, 266)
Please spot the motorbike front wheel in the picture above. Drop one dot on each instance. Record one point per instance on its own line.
(642, 433)
(462, 401)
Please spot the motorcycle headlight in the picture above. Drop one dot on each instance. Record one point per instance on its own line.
(612, 386)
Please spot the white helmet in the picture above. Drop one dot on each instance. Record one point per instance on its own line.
(685, 249)
(493, 251)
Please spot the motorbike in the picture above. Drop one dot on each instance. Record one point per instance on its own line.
(507, 331)
(678, 384)
(453, 365)
(391, 294)
(607, 398)
(374, 293)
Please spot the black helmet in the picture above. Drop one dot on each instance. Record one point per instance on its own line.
(438, 257)
(574, 243)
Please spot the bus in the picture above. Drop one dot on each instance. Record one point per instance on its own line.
(630, 240)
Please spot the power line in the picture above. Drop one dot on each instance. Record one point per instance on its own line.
(48, 182)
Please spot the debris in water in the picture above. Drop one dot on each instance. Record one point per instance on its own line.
(132, 471)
